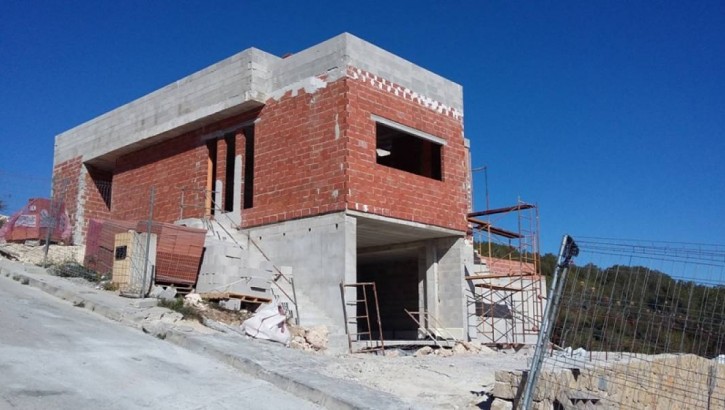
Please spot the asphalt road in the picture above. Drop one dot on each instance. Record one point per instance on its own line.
(56, 356)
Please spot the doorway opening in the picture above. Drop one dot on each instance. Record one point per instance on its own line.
(396, 274)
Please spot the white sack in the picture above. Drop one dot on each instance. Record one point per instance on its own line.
(268, 323)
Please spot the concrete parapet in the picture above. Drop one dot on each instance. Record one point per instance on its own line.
(238, 84)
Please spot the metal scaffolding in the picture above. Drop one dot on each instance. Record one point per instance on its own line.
(507, 286)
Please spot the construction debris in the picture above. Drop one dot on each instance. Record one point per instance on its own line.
(460, 348)
(423, 351)
(194, 300)
(309, 339)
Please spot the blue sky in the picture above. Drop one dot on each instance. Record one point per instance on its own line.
(610, 115)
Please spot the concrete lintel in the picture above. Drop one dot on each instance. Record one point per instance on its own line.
(419, 225)
(407, 129)
(108, 159)
(393, 247)
(191, 102)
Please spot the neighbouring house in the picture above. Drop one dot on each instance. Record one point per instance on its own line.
(39, 220)
(344, 162)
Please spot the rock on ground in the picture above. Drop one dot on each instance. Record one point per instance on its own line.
(501, 404)
(316, 336)
(423, 351)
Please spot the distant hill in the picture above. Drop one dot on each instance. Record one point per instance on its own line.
(633, 309)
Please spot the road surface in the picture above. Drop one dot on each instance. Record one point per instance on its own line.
(56, 356)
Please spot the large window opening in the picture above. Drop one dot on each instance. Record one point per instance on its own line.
(229, 193)
(103, 180)
(408, 152)
(231, 171)
(248, 167)
(211, 180)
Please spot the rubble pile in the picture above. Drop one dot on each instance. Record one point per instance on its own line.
(460, 348)
(309, 339)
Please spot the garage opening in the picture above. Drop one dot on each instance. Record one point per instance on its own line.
(397, 278)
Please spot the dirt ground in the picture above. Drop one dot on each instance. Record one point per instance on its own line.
(35, 254)
(457, 382)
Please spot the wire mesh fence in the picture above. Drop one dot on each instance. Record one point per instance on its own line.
(128, 254)
(640, 325)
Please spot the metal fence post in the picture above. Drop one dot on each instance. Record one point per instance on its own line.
(568, 250)
(148, 242)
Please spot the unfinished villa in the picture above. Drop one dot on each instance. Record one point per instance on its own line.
(308, 178)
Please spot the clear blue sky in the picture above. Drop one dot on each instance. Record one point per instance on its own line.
(610, 115)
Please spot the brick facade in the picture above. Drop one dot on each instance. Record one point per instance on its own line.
(300, 156)
(314, 153)
(391, 192)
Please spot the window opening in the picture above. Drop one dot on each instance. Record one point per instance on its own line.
(229, 193)
(248, 167)
(121, 252)
(211, 181)
(407, 152)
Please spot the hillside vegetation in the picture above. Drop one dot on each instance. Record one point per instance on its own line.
(634, 309)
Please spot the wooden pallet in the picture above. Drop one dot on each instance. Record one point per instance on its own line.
(181, 289)
(230, 295)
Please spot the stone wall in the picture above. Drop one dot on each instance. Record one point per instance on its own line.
(665, 381)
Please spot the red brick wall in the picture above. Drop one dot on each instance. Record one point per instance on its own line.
(299, 156)
(395, 193)
(314, 154)
(168, 167)
(180, 164)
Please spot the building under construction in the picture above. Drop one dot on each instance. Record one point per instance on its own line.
(338, 165)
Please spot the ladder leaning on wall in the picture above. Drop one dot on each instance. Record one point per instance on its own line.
(362, 315)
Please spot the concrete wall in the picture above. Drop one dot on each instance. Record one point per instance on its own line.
(224, 89)
(237, 84)
(446, 276)
(321, 251)
(332, 58)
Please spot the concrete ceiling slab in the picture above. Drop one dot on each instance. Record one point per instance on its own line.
(377, 231)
